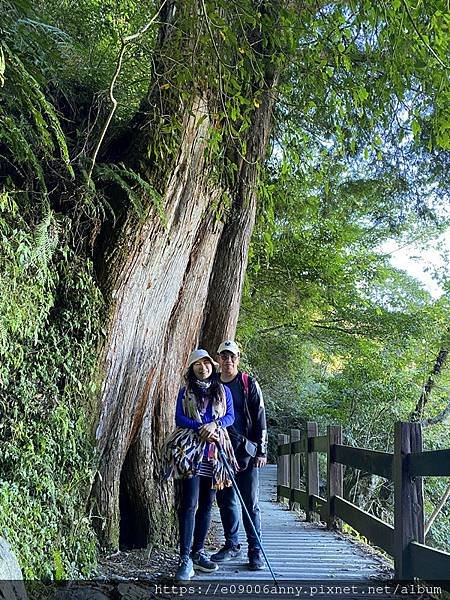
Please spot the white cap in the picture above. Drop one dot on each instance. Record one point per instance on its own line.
(198, 355)
(229, 346)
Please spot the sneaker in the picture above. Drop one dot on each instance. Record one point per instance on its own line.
(185, 569)
(255, 560)
(227, 553)
(202, 562)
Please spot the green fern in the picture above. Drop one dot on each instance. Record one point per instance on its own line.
(57, 34)
(21, 149)
(115, 174)
(27, 89)
(135, 188)
(45, 241)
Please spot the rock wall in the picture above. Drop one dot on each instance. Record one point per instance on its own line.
(11, 578)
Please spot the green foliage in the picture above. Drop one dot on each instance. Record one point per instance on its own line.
(50, 315)
(332, 331)
(49, 324)
(349, 351)
(26, 256)
(31, 131)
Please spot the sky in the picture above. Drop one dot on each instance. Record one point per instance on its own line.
(420, 262)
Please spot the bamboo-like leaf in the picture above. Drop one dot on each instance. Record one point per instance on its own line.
(2, 67)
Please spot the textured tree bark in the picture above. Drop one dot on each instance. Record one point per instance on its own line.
(227, 281)
(154, 324)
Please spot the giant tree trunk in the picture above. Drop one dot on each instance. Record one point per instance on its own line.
(167, 276)
(225, 290)
(159, 299)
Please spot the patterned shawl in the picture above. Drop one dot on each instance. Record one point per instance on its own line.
(183, 449)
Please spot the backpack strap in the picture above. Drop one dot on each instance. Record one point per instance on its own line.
(245, 384)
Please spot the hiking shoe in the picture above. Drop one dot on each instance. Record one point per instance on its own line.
(255, 561)
(227, 553)
(185, 569)
(202, 562)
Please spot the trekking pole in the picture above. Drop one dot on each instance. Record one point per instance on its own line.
(244, 508)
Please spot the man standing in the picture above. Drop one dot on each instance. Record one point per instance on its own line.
(250, 422)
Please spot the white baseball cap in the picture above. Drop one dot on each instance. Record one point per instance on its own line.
(229, 346)
(198, 355)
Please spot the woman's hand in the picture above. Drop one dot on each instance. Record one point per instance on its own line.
(208, 432)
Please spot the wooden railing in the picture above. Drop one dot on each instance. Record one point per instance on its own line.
(405, 467)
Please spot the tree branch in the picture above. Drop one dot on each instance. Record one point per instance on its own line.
(440, 418)
(423, 40)
(123, 45)
(275, 327)
(341, 329)
(437, 510)
(430, 384)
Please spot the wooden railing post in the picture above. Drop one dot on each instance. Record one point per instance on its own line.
(312, 468)
(283, 464)
(294, 474)
(334, 475)
(286, 463)
(279, 467)
(408, 497)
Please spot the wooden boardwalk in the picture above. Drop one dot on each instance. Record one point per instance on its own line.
(297, 550)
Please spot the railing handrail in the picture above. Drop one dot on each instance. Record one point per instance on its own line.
(428, 463)
(405, 467)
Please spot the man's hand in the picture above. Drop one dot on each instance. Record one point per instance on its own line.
(260, 461)
(207, 432)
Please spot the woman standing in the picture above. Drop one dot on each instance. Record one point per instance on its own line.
(204, 409)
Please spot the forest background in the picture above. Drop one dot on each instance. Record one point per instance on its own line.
(160, 147)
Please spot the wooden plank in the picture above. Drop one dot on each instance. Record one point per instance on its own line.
(429, 563)
(312, 469)
(298, 447)
(319, 505)
(298, 551)
(335, 474)
(283, 491)
(319, 443)
(299, 497)
(279, 459)
(294, 466)
(435, 463)
(283, 449)
(379, 533)
(408, 498)
(282, 465)
(285, 463)
(370, 461)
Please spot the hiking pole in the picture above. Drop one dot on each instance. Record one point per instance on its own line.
(244, 508)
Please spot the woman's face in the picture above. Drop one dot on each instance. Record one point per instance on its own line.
(202, 368)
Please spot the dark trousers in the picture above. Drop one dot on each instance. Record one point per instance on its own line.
(194, 513)
(228, 502)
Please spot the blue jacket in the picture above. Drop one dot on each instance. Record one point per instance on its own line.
(182, 421)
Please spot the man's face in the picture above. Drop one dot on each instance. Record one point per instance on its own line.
(229, 363)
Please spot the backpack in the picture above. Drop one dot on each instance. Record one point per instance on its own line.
(244, 448)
